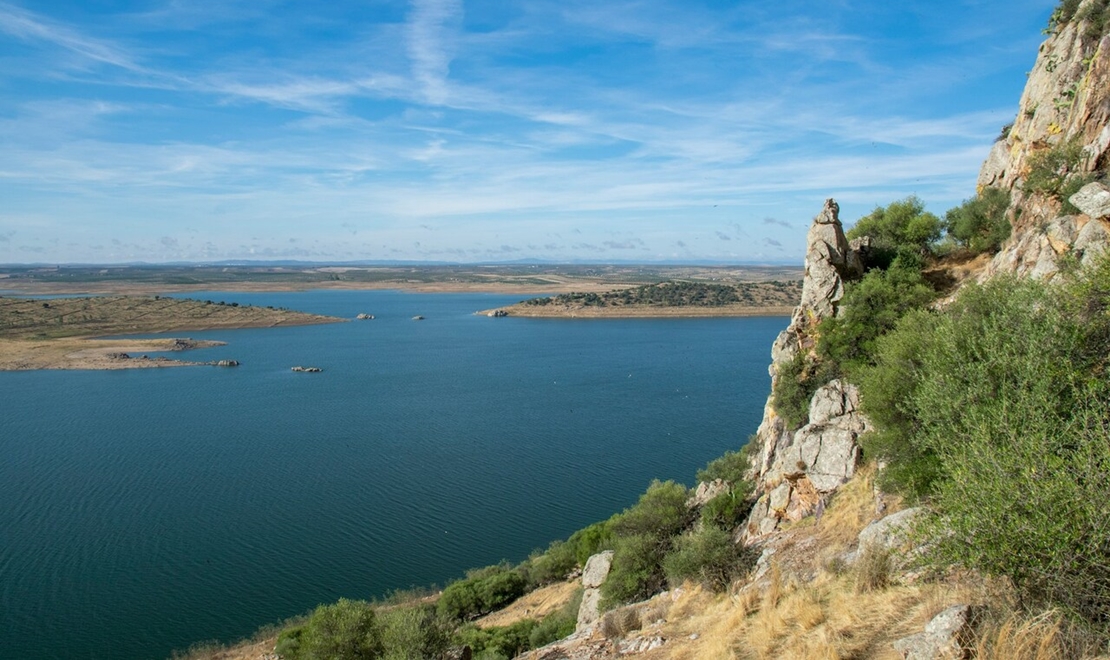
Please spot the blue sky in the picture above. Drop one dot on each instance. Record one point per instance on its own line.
(487, 131)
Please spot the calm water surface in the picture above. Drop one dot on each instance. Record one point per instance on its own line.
(144, 510)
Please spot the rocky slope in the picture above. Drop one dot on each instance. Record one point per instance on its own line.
(1063, 125)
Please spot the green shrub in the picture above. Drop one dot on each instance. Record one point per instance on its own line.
(792, 392)
(642, 535)
(1006, 390)
(497, 642)
(549, 566)
(870, 308)
(483, 592)
(1049, 169)
(903, 225)
(557, 625)
(590, 540)
(980, 223)
(414, 633)
(729, 508)
(707, 556)
(346, 630)
(730, 466)
(660, 513)
(1062, 15)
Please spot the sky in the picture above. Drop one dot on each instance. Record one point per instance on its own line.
(486, 131)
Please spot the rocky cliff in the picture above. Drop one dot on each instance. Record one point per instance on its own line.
(1058, 143)
(795, 470)
(1052, 161)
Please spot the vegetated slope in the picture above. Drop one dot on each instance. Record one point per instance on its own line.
(22, 318)
(669, 298)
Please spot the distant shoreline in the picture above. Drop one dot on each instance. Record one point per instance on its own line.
(641, 312)
(65, 333)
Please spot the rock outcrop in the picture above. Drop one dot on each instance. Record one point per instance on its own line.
(795, 470)
(593, 576)
(829, 261)
(1066, 102)
(946, 637)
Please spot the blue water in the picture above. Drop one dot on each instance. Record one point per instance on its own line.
(144, 510)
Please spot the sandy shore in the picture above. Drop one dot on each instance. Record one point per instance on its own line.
(87, 353)
(583, 312)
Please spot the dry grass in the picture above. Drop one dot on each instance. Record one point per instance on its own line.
(533, 605)
(1023, 636)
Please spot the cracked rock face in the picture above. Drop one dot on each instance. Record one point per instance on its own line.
(795, 470)
(812, 462)
(829, 259)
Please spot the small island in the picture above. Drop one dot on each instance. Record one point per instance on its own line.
(62, 333)
(665, 299)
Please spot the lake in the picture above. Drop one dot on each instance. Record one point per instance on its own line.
(144, 510)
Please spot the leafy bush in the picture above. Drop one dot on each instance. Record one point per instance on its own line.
(483, 592)
(792, 391)
(346, 630)
(590, 540)
(886, 397)
(707, 556)
(660, 513)
(730, 466)
(1006, 391)
(902, 226)
(414, 633)
(870, 308)
(497, 642)
(980, 223)
(549, 566)
(557, 625)
(729, 508)
(1049, 169)
(642, 535)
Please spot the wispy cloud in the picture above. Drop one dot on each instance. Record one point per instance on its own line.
(28, 26)
(430, 45)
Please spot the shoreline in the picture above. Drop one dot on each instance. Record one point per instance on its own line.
(531, 289)
(97, 333)
(96, 354)
(635, 312)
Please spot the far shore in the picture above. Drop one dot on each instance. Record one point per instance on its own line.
(643, 312)
(91, 353)
(20, 288)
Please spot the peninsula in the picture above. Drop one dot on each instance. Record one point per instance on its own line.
(665, 299)
(61, 333)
